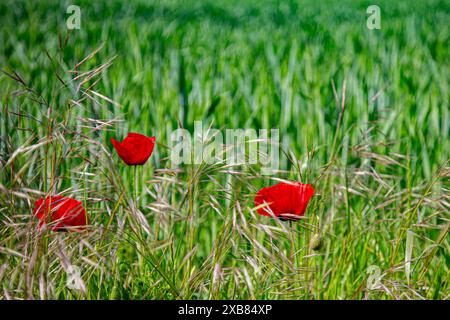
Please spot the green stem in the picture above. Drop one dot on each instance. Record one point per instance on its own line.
(135, 186)
(293, 255)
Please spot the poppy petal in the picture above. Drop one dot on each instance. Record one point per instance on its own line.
(135, 149)
(62, 213)
(285, 200)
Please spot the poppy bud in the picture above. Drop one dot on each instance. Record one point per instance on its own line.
(316, 242)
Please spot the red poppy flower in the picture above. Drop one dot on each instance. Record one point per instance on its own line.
(288, 201)
(61, 213)
(135, 149)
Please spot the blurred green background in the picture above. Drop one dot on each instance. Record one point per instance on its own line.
(261, 64)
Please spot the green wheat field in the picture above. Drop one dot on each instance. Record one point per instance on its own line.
(363, 116)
